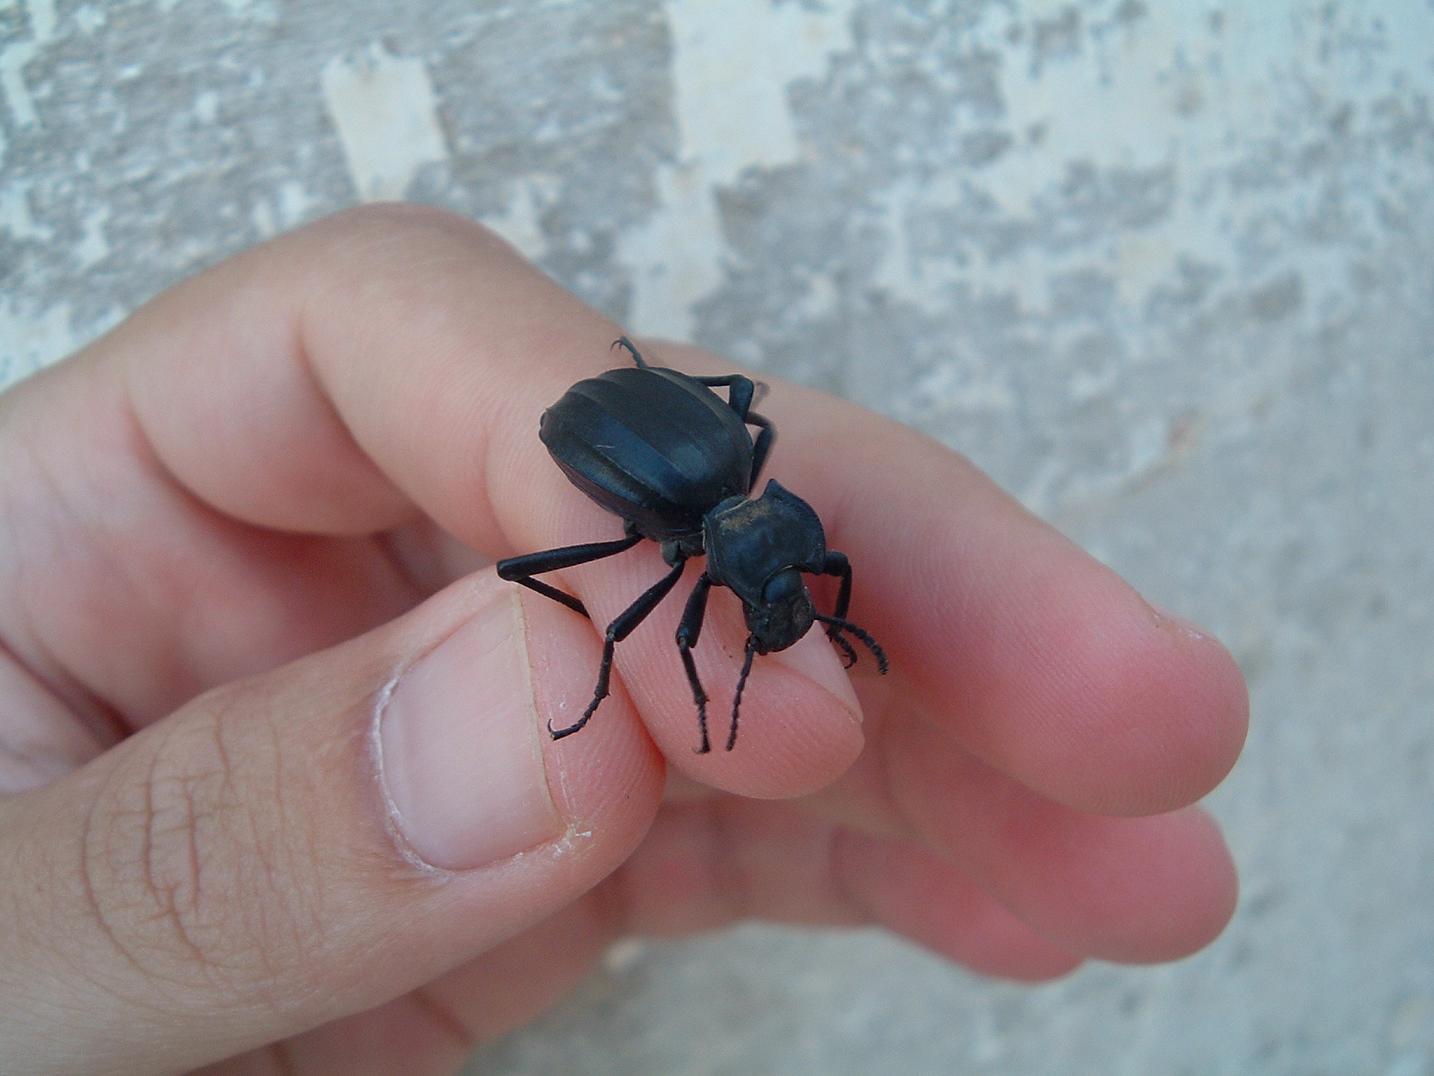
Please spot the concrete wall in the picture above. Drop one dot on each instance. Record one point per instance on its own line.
(1166, 269)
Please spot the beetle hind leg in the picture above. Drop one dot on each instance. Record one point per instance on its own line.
(631, 348)
(521, 569)
(848, 651)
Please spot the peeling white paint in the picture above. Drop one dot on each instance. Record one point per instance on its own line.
(732, 66)
(30, 340)
(1165, 92)
(13, 59)
(675, 256)
(965, 389)
(261, 214)
(288, 206)
(821, 298)
(206, 106)
(41, 20)
(93, 247)
(90, 18)
(294, 202)
(521, 221)
(386, 116)
(253, 10)
(15, 215)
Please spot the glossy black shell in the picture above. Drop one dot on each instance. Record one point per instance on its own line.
(651, 445)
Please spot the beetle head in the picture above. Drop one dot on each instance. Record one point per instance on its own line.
(784, 614)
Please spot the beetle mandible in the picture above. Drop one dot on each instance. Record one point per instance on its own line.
(662, 450)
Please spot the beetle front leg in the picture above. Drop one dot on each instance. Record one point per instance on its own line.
(837, 564)
(616, 632)
(687, 633)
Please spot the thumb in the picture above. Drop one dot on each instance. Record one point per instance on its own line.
(307, 844)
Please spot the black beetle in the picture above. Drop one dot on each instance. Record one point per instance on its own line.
(662, 450)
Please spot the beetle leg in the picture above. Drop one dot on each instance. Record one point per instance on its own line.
(687, 633)
(627, 345)
(522, 569)
(837, 564)
(741, 392)
(765, 439)
(616, 632)
(848, 651)
(741, 683)
(862, 634)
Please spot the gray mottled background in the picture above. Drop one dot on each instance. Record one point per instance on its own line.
(1166, 269)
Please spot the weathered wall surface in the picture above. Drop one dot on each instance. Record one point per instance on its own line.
(1165, 269)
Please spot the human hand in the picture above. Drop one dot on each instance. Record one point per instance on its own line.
(276, 779)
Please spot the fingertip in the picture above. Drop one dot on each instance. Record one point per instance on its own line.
(918, 895)
(1201, 891)
(795, 736)
(1128, 711)
(1178, 901)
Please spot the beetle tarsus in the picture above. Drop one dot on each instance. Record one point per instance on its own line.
(631, 348)
(838, 624)
(699, 696)
(845, 647)
(558, 734)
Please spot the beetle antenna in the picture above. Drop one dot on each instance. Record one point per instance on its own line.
(871, 644)
(741, 683)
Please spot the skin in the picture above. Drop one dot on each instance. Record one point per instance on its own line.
(325, 437)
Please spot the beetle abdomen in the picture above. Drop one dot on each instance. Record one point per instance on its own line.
(651, 445)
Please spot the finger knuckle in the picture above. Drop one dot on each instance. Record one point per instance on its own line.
(190, 869)
(391, 237)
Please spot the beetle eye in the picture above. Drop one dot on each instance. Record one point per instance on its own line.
(783, 587)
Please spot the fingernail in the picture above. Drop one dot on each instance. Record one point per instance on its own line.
(815, 658)
(1164, 618)
(459, 749)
